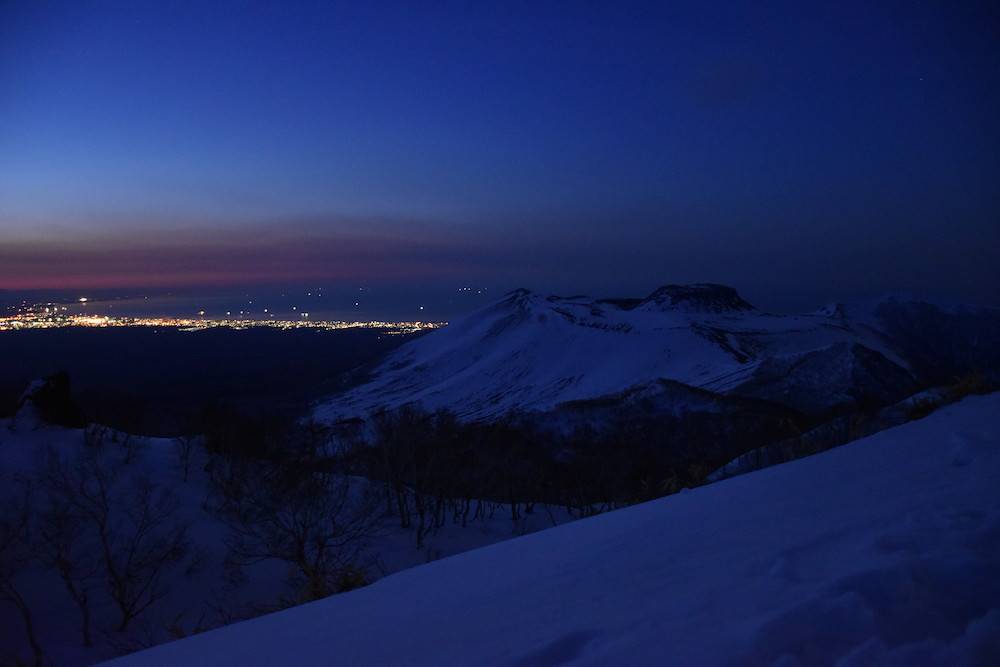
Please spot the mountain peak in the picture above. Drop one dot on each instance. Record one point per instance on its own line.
(700, 297)
(519, 298)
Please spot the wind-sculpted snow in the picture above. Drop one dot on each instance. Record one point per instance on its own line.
(531, 352)
(883, 551)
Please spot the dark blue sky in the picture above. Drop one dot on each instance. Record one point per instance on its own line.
(801, 152)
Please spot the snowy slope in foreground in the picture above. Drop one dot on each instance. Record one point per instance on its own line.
(885, 548)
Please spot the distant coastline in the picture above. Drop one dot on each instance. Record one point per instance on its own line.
(232, 306)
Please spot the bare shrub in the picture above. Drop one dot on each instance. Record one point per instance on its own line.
(320, 523)
(127, 521)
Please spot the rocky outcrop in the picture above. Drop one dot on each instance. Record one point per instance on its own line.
(701, 298)
(51, 400)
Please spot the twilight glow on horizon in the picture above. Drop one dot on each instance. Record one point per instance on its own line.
(798, 152)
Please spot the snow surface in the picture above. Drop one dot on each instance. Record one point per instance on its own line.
(529, 351)
(208, 597)
(885, 551)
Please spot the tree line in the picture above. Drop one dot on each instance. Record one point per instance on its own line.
(316, 496)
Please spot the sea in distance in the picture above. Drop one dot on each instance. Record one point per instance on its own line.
(383, 303)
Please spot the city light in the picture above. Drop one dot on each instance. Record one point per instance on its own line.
(47, 316)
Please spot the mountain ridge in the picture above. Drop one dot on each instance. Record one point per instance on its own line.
(529, 351)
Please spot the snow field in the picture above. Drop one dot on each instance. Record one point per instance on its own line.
(884, 551)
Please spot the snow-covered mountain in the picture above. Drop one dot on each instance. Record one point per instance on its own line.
(530, 352)
(882, 552)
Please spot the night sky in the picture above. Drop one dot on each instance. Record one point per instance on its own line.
(800, 152)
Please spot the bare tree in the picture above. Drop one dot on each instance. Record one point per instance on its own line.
(185, 448)
(413, 456)
(94, 435)
(139, 548)
(131, 523)
(62, 545)
(320, 523)
(16, 558)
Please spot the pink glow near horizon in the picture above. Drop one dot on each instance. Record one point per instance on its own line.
(211, 258)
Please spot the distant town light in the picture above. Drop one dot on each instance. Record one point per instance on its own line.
(33, 317)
